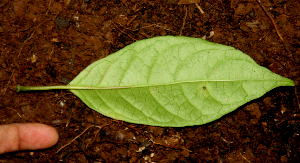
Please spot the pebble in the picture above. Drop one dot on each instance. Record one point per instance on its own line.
(62, 23)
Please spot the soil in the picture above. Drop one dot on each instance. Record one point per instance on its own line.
(50, 42)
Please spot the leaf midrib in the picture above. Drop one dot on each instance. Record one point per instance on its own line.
(164, 84)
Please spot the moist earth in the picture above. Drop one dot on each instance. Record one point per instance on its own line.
(50, 42)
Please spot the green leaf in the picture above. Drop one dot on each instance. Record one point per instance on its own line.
(173, 81)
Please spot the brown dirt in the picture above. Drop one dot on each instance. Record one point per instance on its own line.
(50, 42)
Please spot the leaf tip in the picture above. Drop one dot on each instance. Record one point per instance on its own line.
(290, 82)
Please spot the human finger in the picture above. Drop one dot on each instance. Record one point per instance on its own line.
(26, 136)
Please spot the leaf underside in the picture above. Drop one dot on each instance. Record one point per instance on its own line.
(174, 81)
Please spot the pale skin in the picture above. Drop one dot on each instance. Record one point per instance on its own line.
(26, 136)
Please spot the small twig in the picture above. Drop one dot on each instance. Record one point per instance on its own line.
(199, 8)
(152, 25)
(4, 4)
(244, 158)
(271, 18)
(97, 133)
(264, 36)
(124, 32)
(275, 26)
(9, 81)
(169, 146)
(48, 7)
(279, 62)
(184, 19)
(76, 138)
(297, 97)
(39, 26)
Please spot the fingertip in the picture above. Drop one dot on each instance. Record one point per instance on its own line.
(26, 136)
(35, 136)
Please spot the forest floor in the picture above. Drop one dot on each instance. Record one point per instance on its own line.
(50, 42)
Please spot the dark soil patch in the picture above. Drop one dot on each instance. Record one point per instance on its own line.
(50, 42)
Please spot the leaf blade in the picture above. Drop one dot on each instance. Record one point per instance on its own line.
(174, 81)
